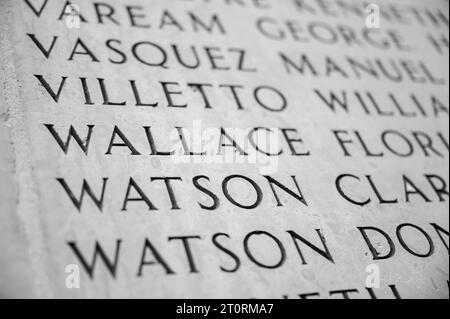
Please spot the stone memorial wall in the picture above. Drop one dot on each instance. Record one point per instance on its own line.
(224, 149)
